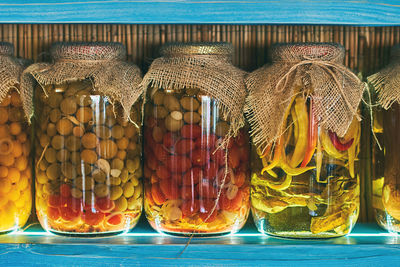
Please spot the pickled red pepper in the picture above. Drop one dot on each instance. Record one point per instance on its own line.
(338, 144)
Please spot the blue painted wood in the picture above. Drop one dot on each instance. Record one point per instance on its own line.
(367, 245)
(344, 12)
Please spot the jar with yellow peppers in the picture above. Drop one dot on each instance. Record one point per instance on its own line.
(15, 147)
(88, 149)
(305, 131)
(386, 133)
(195, 147)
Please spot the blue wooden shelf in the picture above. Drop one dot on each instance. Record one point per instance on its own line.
(339, 12)
(366, 245)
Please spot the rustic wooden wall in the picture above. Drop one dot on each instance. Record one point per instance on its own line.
(367, 48)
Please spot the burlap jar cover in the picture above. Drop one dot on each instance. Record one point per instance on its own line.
(387, 81)
(102, 63)
(315, 68)
(207, 67)
(11, 69)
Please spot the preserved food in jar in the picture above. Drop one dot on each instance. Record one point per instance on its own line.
(305, 184)
(15, 147)
(385, 160)
(88, 145)
(88, 162)
(194, 184)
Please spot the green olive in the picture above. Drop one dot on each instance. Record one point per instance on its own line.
(101, 190)
(68, 170)
(76, 193)
(189, 103)
(53, 171)
(76, 157)
(160, 112)
(51, 129)
(117, 132)
(158, 134)
(222, 128)
(117, 164)
(41, 177)
(99, 176)
(172, 124)
(54, 100)
(73, 143)
(44, 140)
(171, 102)
(158, 97)
(50, 155)
(63, 155)
(43, 165)
(84, 169)
(191, 117)
(133, 165)
(102, 131)
(55, 115)
(57, 142)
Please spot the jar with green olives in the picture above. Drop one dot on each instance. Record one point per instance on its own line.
(193, 183)
(88, 168)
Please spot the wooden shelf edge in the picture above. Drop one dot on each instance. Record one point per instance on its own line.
(329, 12)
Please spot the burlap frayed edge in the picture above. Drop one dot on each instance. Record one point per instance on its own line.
(117, 80)
(10, 71)
(387, 84)
(202, 72)
(256, 83)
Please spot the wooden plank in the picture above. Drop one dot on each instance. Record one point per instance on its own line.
(343, 12)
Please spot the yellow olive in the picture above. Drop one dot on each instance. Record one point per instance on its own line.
(117, 164)
(43, 165)
(124, 175)
(115, 181)
(134, 180)
(115, 192)
(133, 165)
(134, 204)
(41, 177)
(129, 189)
(138, 191)
(121, 204)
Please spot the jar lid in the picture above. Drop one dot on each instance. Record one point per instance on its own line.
(88, 51)
(6, 49)
(295, 52)
(176, 49)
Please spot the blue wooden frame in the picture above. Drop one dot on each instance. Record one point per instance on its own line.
(366, 245)
(329, 12)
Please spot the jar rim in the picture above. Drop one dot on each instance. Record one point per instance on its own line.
(201, 48)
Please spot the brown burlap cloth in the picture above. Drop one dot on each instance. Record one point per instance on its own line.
(387, 81)
(312, 69)
(102, 63)
(11, 69)
(205, 66)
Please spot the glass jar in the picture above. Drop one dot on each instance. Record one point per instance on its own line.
(88, 156)
(15, 164)
(385, 164)
(15, 148)
(191, 187)
(306, 183)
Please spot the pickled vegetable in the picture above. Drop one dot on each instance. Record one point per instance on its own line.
(192, 184)
(306, 183)
(86, 182)
(385, 169)
(15, 164)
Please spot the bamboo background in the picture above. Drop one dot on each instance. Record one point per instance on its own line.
(367, 50)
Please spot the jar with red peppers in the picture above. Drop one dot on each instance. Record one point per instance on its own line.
(88, 167)
(303, 110)
(196, 151)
